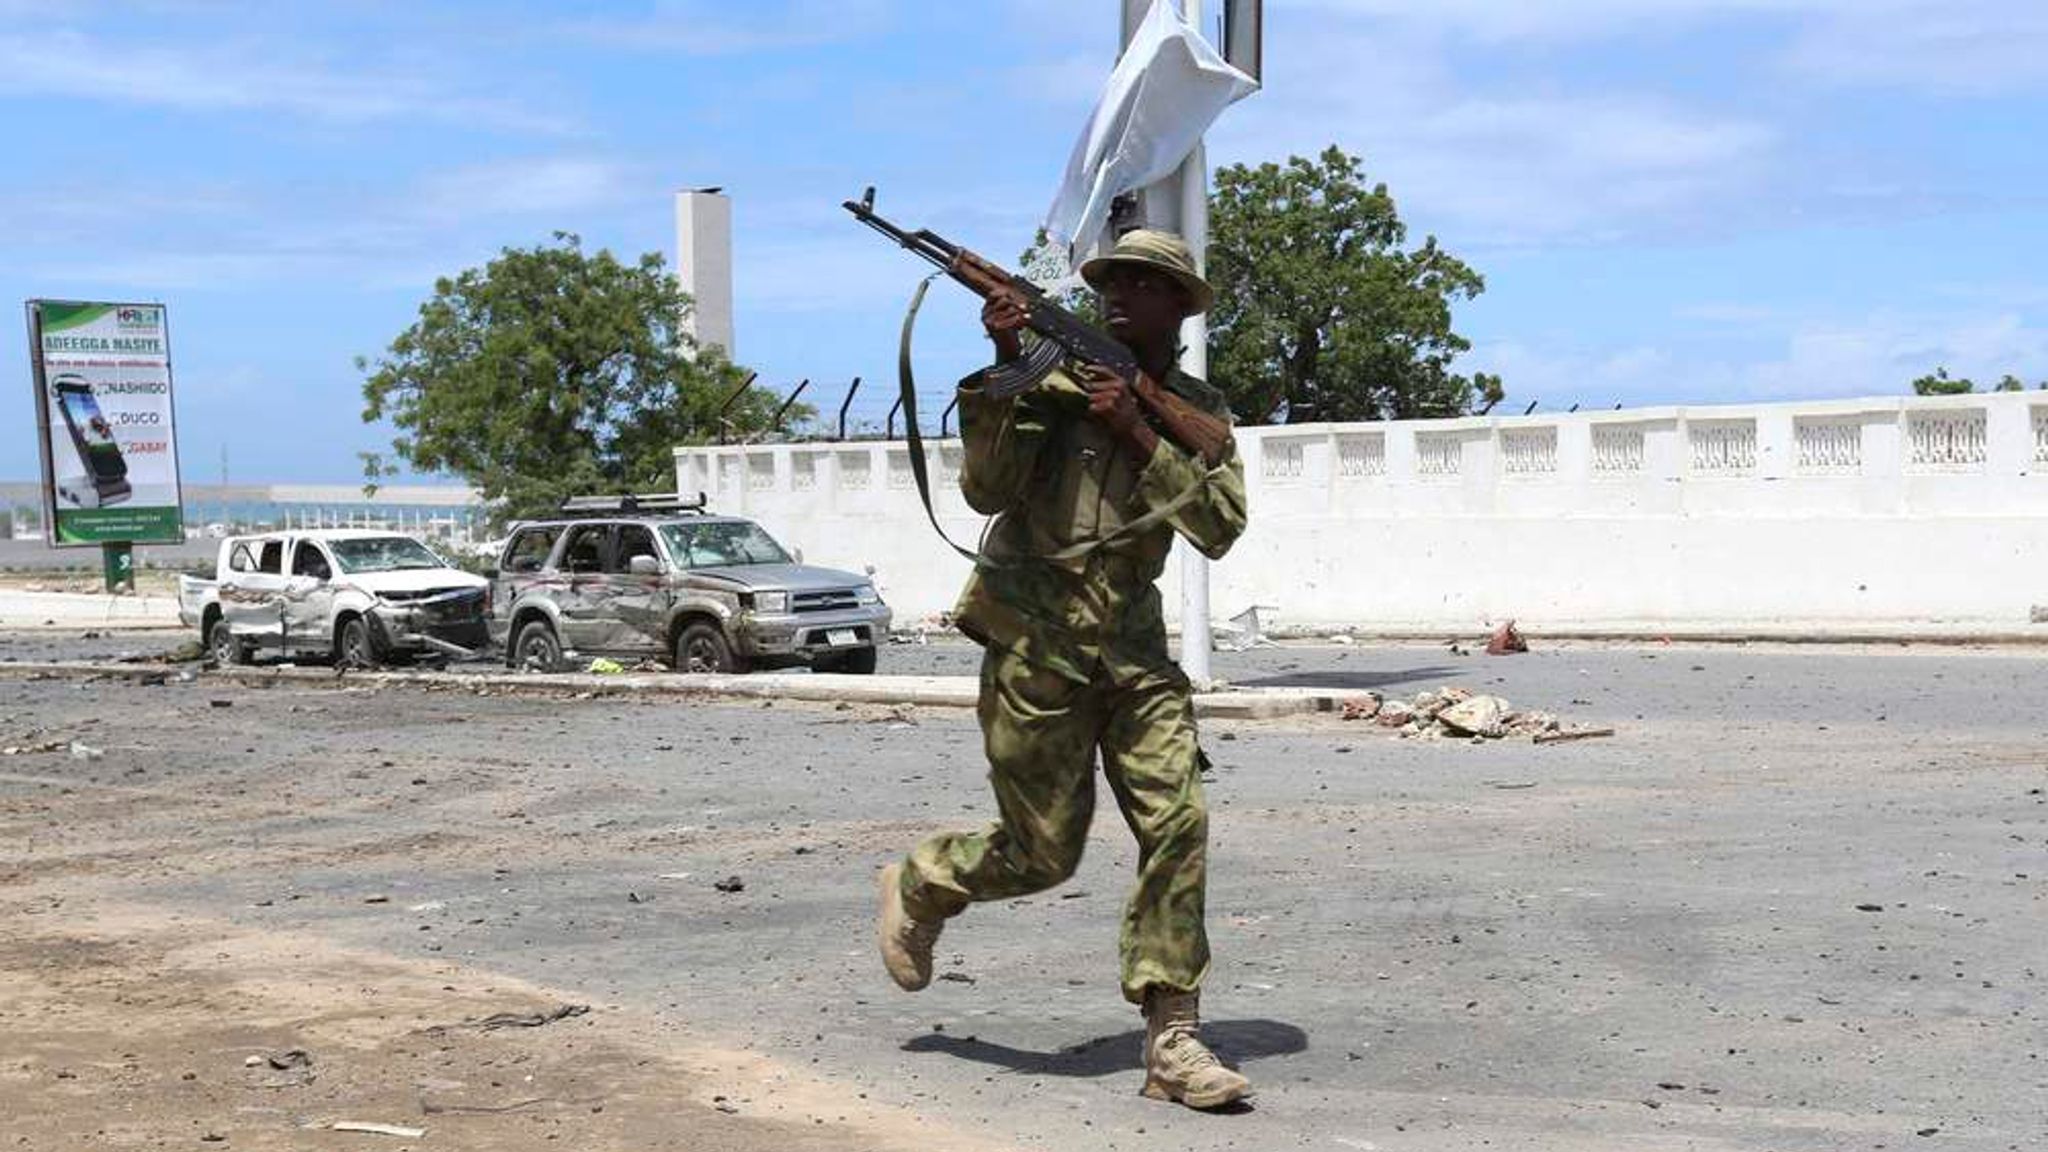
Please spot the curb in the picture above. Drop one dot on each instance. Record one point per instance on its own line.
(922, 691)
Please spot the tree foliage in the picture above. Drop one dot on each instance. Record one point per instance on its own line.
(1940, 383)
(1322, 312)
(552, 372)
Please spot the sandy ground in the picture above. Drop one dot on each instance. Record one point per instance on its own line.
(1795, 904)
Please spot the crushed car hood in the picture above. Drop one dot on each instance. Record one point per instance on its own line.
(794, 577)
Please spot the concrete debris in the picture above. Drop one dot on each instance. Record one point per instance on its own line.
(1479, 716)
(1506, 641)
(86, 751)
(1461, 714)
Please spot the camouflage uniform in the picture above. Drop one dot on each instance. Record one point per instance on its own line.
(1076, 661)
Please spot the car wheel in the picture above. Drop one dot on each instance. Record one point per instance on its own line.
(860, 662)
(701, 647)
(223, 647)
(353, 648)
(535, 648)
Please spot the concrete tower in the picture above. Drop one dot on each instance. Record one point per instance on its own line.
(704, 265)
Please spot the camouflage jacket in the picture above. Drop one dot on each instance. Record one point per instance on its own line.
(1056, 481)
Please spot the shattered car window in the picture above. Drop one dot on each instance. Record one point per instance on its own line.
(720, 545)
(384, 554)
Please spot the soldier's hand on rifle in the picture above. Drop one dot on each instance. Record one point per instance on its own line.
(1004, 314)
(1112, 400)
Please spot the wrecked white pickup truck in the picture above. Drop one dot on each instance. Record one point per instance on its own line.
(359, 598)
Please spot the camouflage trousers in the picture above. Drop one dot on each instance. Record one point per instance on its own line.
(1041, 732)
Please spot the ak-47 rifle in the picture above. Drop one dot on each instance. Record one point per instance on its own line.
(1064, 337)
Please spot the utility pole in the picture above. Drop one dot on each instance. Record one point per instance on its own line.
(1180, 203)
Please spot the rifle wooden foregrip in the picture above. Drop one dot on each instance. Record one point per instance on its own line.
(1199, 432)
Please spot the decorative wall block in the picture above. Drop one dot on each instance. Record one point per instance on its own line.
(856, 471)
(1361, 456)
(1724, 447)
(951, 458)
(1829, 445)
(1617, 449)
(2041, 435)
(900, 475)
(760, 472)
(1528, 451)
(804, 477)
(1439, 453)
(729, 473)
(1946, 441)
(1280, 461)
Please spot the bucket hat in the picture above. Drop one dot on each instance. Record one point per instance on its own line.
(1160, 251)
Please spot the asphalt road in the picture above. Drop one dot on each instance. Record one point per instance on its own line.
(1797, 903)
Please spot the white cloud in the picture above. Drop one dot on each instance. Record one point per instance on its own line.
(1877, 355)
(1970, 46)
(545, 185)
(244, 75)
(1489, 164)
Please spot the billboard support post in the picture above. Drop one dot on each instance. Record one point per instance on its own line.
(117, 560)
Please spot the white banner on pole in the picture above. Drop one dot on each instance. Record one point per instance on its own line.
(1167, 88)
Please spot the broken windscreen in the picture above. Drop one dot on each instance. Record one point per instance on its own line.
(716, 545)
(384, 554)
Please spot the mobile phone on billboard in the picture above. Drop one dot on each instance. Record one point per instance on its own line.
(93, 436)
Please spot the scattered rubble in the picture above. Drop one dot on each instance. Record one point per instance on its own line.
(1461, 714)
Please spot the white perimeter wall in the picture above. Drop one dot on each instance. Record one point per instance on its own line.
(1863, 513)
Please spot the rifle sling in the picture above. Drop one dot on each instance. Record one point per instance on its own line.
(908, 386)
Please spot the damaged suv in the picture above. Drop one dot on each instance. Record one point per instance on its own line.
(655, 576)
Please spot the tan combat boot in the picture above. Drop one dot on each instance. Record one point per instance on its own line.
(906, 941)
(1178, 1066)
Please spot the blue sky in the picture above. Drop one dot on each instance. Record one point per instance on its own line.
(1673, 201)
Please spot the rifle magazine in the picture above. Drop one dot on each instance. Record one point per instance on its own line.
(1025, 373)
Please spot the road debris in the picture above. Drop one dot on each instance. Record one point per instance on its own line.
(34, 749)
(1506, 641)
(86, 751)
(1479, 716)
(499, 1020)
(730, 884)
(1454, 712)
(1363, 708)
(605, 666)
(376, 1129)
(1566, 736)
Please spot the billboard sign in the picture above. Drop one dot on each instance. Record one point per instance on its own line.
(103, 411)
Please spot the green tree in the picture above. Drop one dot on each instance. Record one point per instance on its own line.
(1322, 311)
(1941, 384)
(552, 372)
(2010, 383)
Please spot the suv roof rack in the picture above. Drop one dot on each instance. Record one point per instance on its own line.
(630, 504)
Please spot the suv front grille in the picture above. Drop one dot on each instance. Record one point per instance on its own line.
(835, 601)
